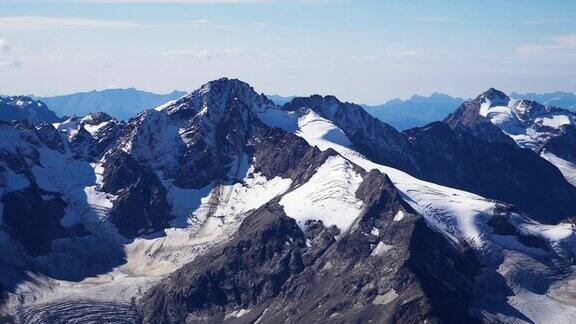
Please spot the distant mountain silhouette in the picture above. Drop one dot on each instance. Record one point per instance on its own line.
(566, 100)
(416, 111)
(118, 103)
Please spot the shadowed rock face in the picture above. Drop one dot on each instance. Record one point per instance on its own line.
(20, 108)
(404, 273)
(32, 218)
(467, 118)
(563, 146)
(493, 170)
(141, 206)
(296, 160)
(376, 140)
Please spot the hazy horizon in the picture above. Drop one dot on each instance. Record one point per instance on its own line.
(367, 52)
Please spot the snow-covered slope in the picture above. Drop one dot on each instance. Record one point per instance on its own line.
(108, 174)
(25, 108)
(329, 196)
(466, 218)
(530, 124)
(118, 207)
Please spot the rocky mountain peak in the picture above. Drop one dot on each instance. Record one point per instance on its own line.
(97, 118)
(494, 97)
(326, 106)
(25, 108)
(215, 98)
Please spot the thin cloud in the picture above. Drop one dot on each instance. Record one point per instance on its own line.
(200, 21)
(206, 55)
(11, 62)
(542, 21)
(435, 19)
(559, 46)
(402, 53)
(4, 46)
(33, 23)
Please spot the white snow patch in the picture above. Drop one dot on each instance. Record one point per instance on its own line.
(567, 168)
(375, 231)
(455, 213)
(286, 120)
(166, 105)
(388, 297)
(328, 196)
(93, 129)
(236, 314)
(320, 131)
(399, 215)
(381, 248)
(555, 121)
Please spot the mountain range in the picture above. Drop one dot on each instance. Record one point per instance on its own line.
(121, 104)
(416, 111)
(223, 206)
(401, 114)
(566, 100)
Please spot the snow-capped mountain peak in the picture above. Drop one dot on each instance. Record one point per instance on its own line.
(215, 98)
(528, 123)
(494, 97)
(25, 108)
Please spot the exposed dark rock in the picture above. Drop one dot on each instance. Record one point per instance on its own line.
(501, 224)
(493, 170)
(404, 274)
(467, 119)
(376, 140)
(320, 238)
(18, 108)
(83, 144)
(564, 145)
(32, 218)
(141, 207)
(120, 171)
(50, 137)
(249, 270)
(296, 160)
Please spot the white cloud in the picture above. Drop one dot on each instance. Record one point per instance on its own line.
(401, 53)
(32, 23)
(559, 46)
(200, 21)
(435, 19)
(4, 46)
(206, 55)
(293, 53)
(11, 62)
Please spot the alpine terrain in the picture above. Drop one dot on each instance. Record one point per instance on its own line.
(223, 206)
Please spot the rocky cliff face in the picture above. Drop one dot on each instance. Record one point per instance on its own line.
(493, 170)
(528, 123)
(564, 145)
(384, 269)
(371, 137)
(467, 118)
(19, 108)
(452, 154)
(222, 206)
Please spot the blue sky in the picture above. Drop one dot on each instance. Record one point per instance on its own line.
(362, 51)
